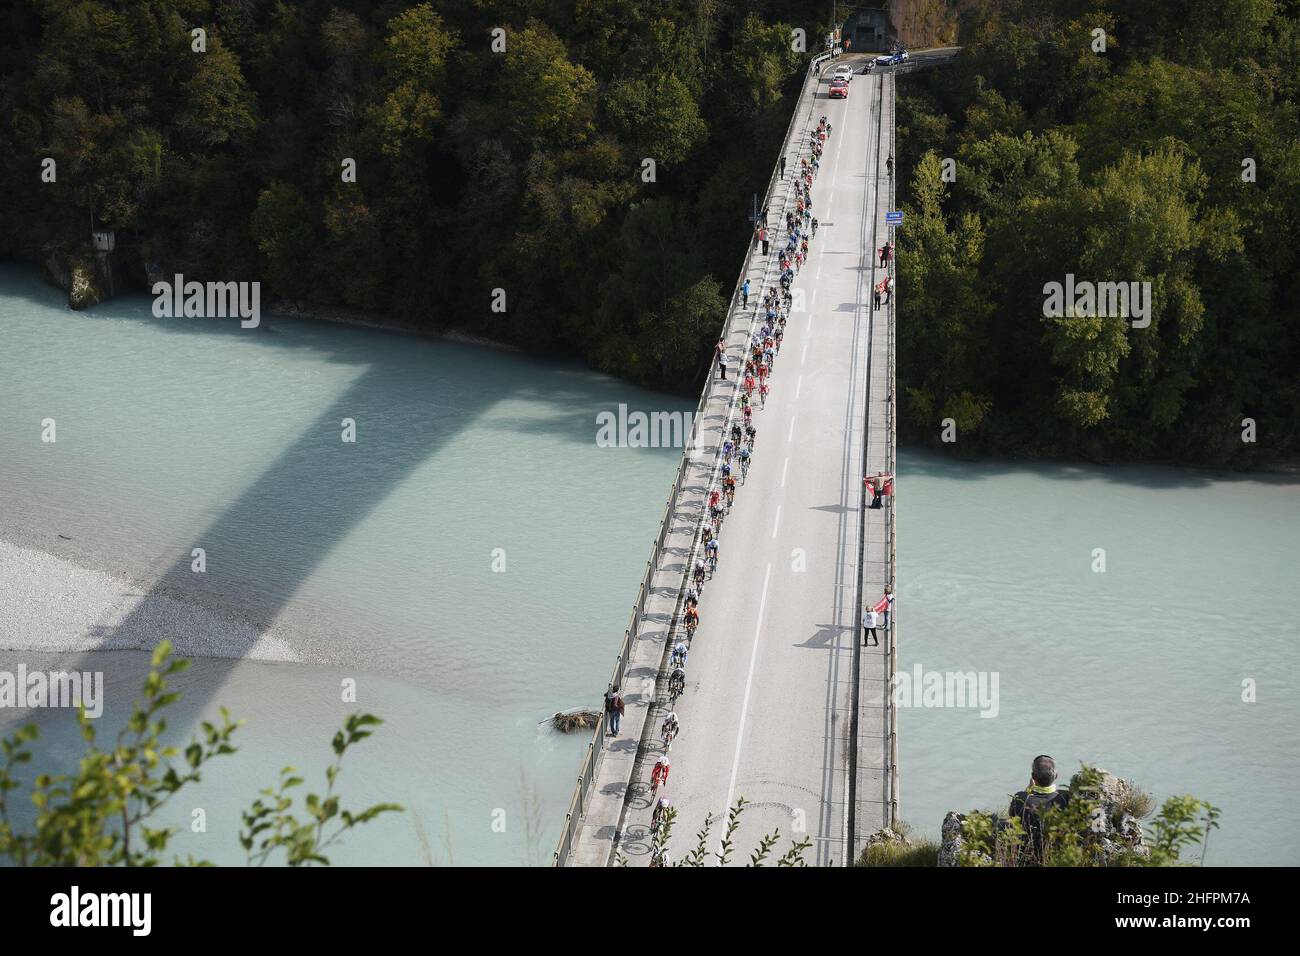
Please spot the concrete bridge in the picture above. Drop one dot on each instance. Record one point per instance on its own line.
(784, 706)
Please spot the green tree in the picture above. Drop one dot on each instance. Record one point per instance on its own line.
(413, 64)
(218, 107)
(282, 229)
(942, 328)
(551, 102)
(103, 814)
(657, 117)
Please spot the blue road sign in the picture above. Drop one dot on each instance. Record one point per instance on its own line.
(894, 218)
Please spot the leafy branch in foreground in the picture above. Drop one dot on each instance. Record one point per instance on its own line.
(792, 857)
(305, 841)
(101, 814)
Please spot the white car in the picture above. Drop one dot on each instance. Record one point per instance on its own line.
(891, 59)
(844, 72)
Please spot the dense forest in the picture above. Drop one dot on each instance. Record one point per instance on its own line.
(521, 169)
(1173, 157)
(476, 168)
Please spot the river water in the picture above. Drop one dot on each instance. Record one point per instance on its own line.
(1141, 668)
(469, 562)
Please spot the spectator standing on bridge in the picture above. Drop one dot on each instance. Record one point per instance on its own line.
(614, 707)
(744, 295)
(762, 237)
(875, 299)
(870, 621)
(783, 167)
(722, 365)
(876, 483)
(889, 165)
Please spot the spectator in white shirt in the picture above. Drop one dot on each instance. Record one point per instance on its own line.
(870, 621)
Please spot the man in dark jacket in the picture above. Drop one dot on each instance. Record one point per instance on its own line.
(614, 709)
(1029, 804)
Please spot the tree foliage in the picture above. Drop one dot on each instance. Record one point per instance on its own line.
(478, 167)
(1168, 159)
(104, 813)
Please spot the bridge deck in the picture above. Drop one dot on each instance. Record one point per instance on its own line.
(776, 667)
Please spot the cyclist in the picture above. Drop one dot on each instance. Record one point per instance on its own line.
(662, 806)
(728, 447)
(659, 775)
(671, 729)
(676, 682)
(715, 499)
(749, 417)
(777, 336)
(679, 654)
(726, 471)
(730, 486)
(736, 432)
(692, 597)
(711, 549)
(699, 573)
(692, 620)
(814, 226)
(750, 434)
(744, 461)
(659, 856)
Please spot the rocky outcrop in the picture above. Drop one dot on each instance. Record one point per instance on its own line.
(888, 838)
(927, 23)
(1114, 828)
(80, 275)
(951, 842)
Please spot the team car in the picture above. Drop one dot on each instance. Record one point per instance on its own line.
(842, 72)
(893, 59)
(839, 89)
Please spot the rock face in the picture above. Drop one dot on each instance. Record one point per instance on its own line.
(1113, 828)
(79, 275)
(950, 838)
(886, 836)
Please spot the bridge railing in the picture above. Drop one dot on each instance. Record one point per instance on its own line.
(595, 748)
(891, 467)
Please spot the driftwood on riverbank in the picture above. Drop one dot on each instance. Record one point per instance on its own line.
(568, 721)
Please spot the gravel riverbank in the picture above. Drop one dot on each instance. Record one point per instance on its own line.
(49, 603)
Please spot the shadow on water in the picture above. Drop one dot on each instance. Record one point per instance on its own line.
(316, 490)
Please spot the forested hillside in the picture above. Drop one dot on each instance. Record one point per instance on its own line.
(521, 170)
(476, 169)
(1171, 158)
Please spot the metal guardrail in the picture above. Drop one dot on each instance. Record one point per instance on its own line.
(595, 748)
(891, 467)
